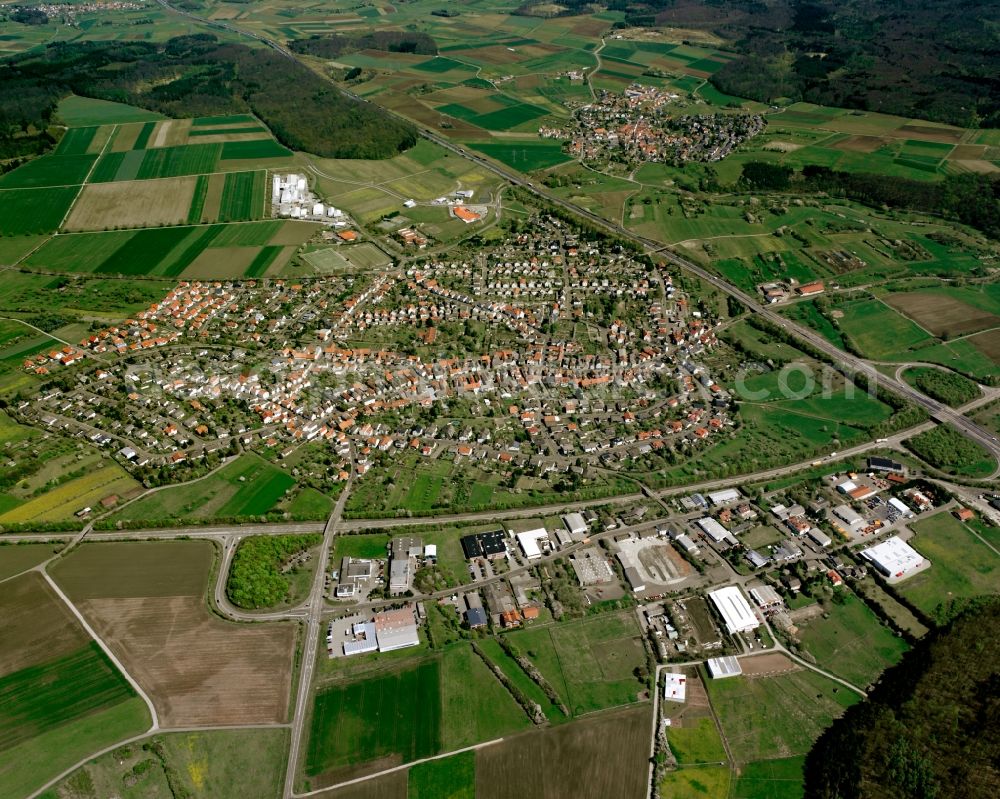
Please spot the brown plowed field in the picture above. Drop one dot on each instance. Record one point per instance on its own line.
(147, 601)
(35, 625)
(197, 669)
(767, 665)
(942, 315)
(595, 758)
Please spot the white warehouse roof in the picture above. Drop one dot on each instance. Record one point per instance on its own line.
(529, 542)
(575, 523)
(893, 557)
(725, 496)
(727, 666)
(713, 529)
(736, 611)
(675, 689)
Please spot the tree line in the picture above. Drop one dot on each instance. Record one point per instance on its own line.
(335, 44)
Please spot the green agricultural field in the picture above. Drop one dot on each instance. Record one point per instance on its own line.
(242, 196)
(246, 150)
(27, 211)
(262, 261)
(198, 200)
(16, 558)
(76, 141)
(697, 741)
(79, 111)
(850, 641)
(962, 565)
(49, 170)
(140, 569)
(249, 486)
(475, 707)
(525, 156)
(780, 716)
(450, 778)
(770, 779)
(28, 766)
(590, 662)
(171, 162)
(142, 139)
(39, 698)
(360, 546)
(407, 704)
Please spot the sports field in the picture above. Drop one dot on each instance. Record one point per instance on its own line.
(342, 737)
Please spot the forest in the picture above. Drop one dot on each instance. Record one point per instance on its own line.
(196, 75)
(971, 199)
(336, 44)
(930, 729)
(258, 577)
(930, 59)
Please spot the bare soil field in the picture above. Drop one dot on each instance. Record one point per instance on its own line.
(948, 135)
(767, 665)
(968, 152)
(126, 136)
(198, 669)
(104, 570)
(860, 144)
(988, 344)
(594, 758)
(141, 203)
(35, 625)
(979, 166)
(391, 786)
(942, 315)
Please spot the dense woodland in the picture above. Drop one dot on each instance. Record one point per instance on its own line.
(932, 59)
(971, 199)
(199, 76)
(387, 41)
(261, 573)
(929, 59)
(930, 729)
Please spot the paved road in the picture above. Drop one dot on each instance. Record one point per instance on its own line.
(313, 625)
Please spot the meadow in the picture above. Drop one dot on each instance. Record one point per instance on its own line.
(589, 662)
(780, 778)
(767, 717)
(227, 764)
(63, 500)
(962, 566)
(851, 642)
(451, 778)
(696, 743)
(696, 782)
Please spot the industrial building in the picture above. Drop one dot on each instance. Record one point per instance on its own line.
(675, 688)
(734, 609)
(766, 597)
(713, 529)
(894, 558)
(529, 541)
(725, 496)
(720, 668)
(849, 516)
(490, 545)
(396, 629)
(576, 525)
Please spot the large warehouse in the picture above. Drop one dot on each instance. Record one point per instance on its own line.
(894, 558)
(736, 611)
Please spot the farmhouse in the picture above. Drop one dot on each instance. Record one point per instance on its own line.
(734, 609)
(396, 629)
(720, 668)
(811, 289)
(894, 558)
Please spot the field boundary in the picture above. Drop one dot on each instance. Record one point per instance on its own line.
(401, 767)
(104, 647)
